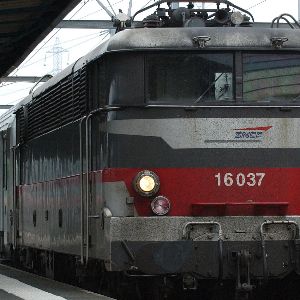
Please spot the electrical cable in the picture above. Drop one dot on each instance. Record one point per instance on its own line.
(51, 55)
(105, 33)
(67, 48)
(25, 62)
(87, 40)
(15, 91)
(257, 4)
(5, 84)
(145, 4)
(102, 34)
(111, 7)
(51, 37)
(99, 10)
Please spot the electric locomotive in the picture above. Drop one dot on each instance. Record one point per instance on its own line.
(168, 155)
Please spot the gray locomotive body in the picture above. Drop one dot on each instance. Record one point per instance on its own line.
(160, 153)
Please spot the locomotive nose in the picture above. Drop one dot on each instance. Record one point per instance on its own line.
(245, 249)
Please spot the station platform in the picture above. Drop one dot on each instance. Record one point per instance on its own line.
(17, 284)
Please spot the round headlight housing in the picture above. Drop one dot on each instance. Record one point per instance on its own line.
(146, 183)
(160, 205)
(237, 18)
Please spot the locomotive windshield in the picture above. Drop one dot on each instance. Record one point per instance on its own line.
(189, 78)
(271, 77)
(182, 78)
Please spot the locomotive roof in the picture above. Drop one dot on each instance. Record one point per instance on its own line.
(221, 38)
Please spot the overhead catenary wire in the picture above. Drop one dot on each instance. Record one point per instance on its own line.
(74, 39)
(5, 84)
(111, 7)
(98, 10)
(103, 34)
(42, 59)
(95, 35)
(84, 3)
(52, 36)
(257, 4)
(111, 15)
(16, 91)
(25, 64)
(14, 102)
(146, 4)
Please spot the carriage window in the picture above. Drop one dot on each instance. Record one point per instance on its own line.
(271, 77)
(181, 78)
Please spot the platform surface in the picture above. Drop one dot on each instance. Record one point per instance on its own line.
(16, 285)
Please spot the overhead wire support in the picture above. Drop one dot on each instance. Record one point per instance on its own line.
(106, 9)
(6, 106)
(111, 7)
(57, 52)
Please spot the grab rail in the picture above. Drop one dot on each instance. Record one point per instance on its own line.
(263, 241)
(88, 163)
(81, 192)
(185, 235)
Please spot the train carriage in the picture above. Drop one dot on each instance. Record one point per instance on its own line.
(168, 154)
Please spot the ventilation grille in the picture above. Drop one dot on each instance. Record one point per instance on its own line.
(57, 106)
(20, 125)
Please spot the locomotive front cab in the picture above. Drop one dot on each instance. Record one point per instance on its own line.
(194, 151)
(202, 147)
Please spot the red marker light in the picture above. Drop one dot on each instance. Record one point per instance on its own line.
(160, 205)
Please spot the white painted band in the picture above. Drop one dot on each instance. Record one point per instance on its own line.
(189, 133)
(24, 291)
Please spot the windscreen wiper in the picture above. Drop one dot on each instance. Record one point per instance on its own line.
(295, 99)
(209, 87)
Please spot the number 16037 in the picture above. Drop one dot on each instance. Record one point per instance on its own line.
(240, 179)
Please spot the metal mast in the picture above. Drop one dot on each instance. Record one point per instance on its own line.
(57, 52)
(130, 8)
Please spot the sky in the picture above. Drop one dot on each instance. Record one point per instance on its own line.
(78, 42)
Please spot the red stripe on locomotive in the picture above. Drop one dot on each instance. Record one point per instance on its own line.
(220, 191)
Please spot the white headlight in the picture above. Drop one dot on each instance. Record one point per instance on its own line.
(161, 205)
(146, 183)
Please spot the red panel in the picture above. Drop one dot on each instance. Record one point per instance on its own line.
(249, 208)
(203, 191)
(256, 128)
